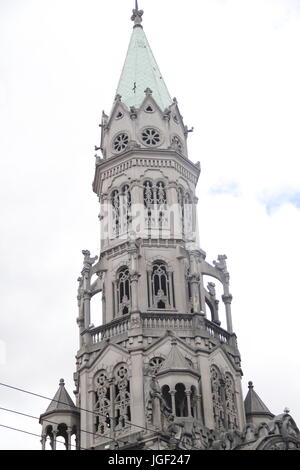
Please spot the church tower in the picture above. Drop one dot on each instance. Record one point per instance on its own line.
(161, 371)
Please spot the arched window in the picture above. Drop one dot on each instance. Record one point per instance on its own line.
(186, 212)
(188, 216)
(180, 400)
(155, 203)
(230, 403)
(180, 197)
(125, 209)
(115, 204)
(102, 402)
(167, 396)
(160, 285)
(112, 400)
(123, 291)
(217, 389)
(122, 397)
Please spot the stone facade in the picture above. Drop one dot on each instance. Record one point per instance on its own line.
(160, 371)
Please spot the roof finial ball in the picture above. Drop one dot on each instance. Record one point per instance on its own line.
(250, 384)
(137, 15)
(62, 382)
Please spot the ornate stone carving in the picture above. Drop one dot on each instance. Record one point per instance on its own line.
(221, 263)
(88, 261)
(102, 401)
(122, 400)
(211, 287)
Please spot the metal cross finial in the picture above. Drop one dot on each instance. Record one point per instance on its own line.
(137, 14)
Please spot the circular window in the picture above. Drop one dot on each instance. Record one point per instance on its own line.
(151, 136)
(176, 142)
(121, 142)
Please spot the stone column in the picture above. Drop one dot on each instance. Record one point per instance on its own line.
(199, 411)
(134, 276)
(87, 309)
(227, 299)
(188, 397)
(194, 280)
(172, 392)
(43, 441)
(195, 221)
(206, 392)
(137, 390)
(69, 443)
(54, 440)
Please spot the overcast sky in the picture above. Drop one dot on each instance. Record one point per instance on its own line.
(234, 67)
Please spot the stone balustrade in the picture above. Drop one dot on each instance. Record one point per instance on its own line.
(161, 320)
(114, 328)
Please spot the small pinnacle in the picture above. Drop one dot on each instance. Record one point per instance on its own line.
(250, 384)
(62, 382)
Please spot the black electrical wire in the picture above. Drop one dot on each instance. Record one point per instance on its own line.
(82, 409)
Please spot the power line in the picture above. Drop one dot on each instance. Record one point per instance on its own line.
(30, 433)
(54, 422)
(62, 403)
(82, 409)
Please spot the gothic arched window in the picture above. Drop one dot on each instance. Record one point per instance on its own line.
(123, 294)
(186, 211)
(102, 401)
(125, 209)
(230, 403)
(217, 389)
(181, 406)
(187, 215)
(122, 397)
(167, 396)
(155, 202)
(115, 204)
(160, 285)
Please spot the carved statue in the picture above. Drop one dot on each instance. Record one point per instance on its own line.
(175, 430)
(211, 287)
(155, 392)
(88, 261)
(221, 263)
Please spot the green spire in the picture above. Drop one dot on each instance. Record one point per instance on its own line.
(140, 70)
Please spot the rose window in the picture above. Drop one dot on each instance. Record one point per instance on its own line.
(121, 142)
(155, 364)
(151, 136)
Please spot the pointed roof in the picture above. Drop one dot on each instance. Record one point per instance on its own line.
(140, 71)
(62, 400)
(175, 360)
(254, 406)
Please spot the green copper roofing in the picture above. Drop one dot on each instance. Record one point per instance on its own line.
(140, 71)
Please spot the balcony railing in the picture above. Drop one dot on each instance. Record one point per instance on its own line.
(114, 328)
(162, 321)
